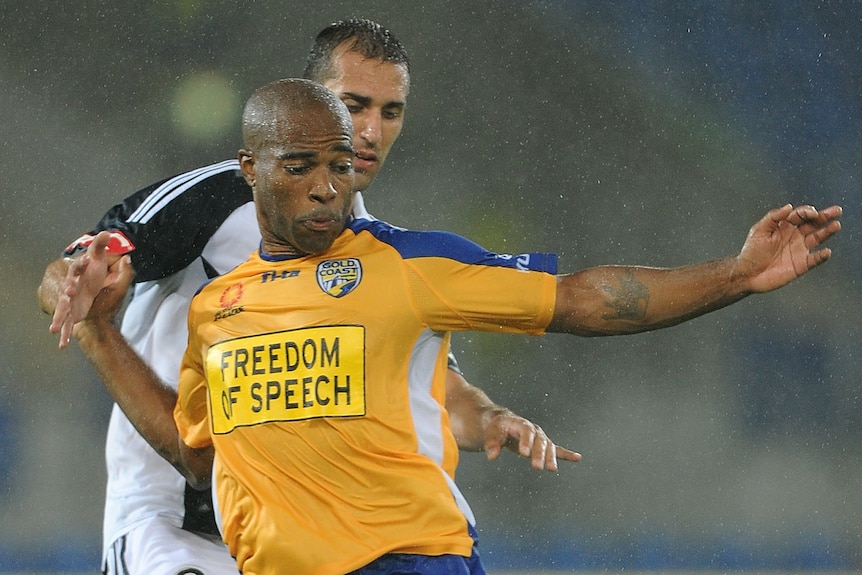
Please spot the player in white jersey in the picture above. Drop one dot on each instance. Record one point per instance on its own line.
(192, 227)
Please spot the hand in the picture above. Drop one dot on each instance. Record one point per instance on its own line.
(87, 276)
(781, 246)
(525, 438)
(112, 296)
(52, 284)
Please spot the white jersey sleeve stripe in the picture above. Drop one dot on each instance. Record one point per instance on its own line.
(174, 187)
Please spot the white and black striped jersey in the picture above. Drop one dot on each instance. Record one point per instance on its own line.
(167, 226)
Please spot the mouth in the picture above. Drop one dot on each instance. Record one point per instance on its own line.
(363, 160)
(321, 222)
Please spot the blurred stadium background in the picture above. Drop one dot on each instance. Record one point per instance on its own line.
(614, 132)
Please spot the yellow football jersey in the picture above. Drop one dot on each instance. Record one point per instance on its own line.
(320, 381)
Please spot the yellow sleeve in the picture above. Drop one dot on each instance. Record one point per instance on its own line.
(453, 296)
(191, 412)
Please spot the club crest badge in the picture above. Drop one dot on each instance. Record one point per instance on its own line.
(339, 277)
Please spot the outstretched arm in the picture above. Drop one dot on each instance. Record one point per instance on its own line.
(480, 424)
(146, 401)
(615, 300)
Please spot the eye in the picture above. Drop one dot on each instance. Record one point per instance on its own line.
(353, 106)
(297, 170)
(392, 113)
(342, 167)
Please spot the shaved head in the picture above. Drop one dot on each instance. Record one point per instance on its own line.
(282, 110)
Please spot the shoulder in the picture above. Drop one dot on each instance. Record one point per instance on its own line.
(202, 188)
(411, 244)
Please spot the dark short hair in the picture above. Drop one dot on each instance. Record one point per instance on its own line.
(362, 36)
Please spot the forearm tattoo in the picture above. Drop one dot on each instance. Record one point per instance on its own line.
(628, 301)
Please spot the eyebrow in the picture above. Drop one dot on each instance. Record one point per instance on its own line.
(295, 155)
(301, 155)
(366, 100)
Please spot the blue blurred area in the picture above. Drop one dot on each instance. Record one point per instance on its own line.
(56, 558)
(655, 553)
(787, 72)
(573, 553)
(787, 393)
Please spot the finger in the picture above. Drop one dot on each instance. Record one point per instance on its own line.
(63, 324)
(76, 270)
(566, 454)
(802, 214)
(493, 449)
(825, 215)
(539, 452)
(810, 214)
(61, 312)
(56, 319)
(65, 335)
(811, 224)
(777, 215)
(819, 257)
(832, 212)
(772, 221)
(125, 273)
(815, 236)
(526, 441)
(99, 246)
(57, 323)
(550, 460)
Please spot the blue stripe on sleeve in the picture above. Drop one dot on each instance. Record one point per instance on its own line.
(418, 244)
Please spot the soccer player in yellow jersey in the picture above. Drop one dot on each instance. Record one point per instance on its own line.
(297, 395)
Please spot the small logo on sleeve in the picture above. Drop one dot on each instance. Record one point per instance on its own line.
(228, 301)
(231, 295)
(118, 244)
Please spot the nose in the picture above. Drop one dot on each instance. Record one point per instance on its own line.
(370, 129)
(323, 191)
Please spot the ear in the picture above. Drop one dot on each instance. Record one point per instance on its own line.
(246, 164)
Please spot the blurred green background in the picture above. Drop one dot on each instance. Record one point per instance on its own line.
(610, 132)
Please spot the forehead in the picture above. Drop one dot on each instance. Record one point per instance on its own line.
(314, 130)
(378, 81)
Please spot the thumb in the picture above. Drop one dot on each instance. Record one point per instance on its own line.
(124, 273)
